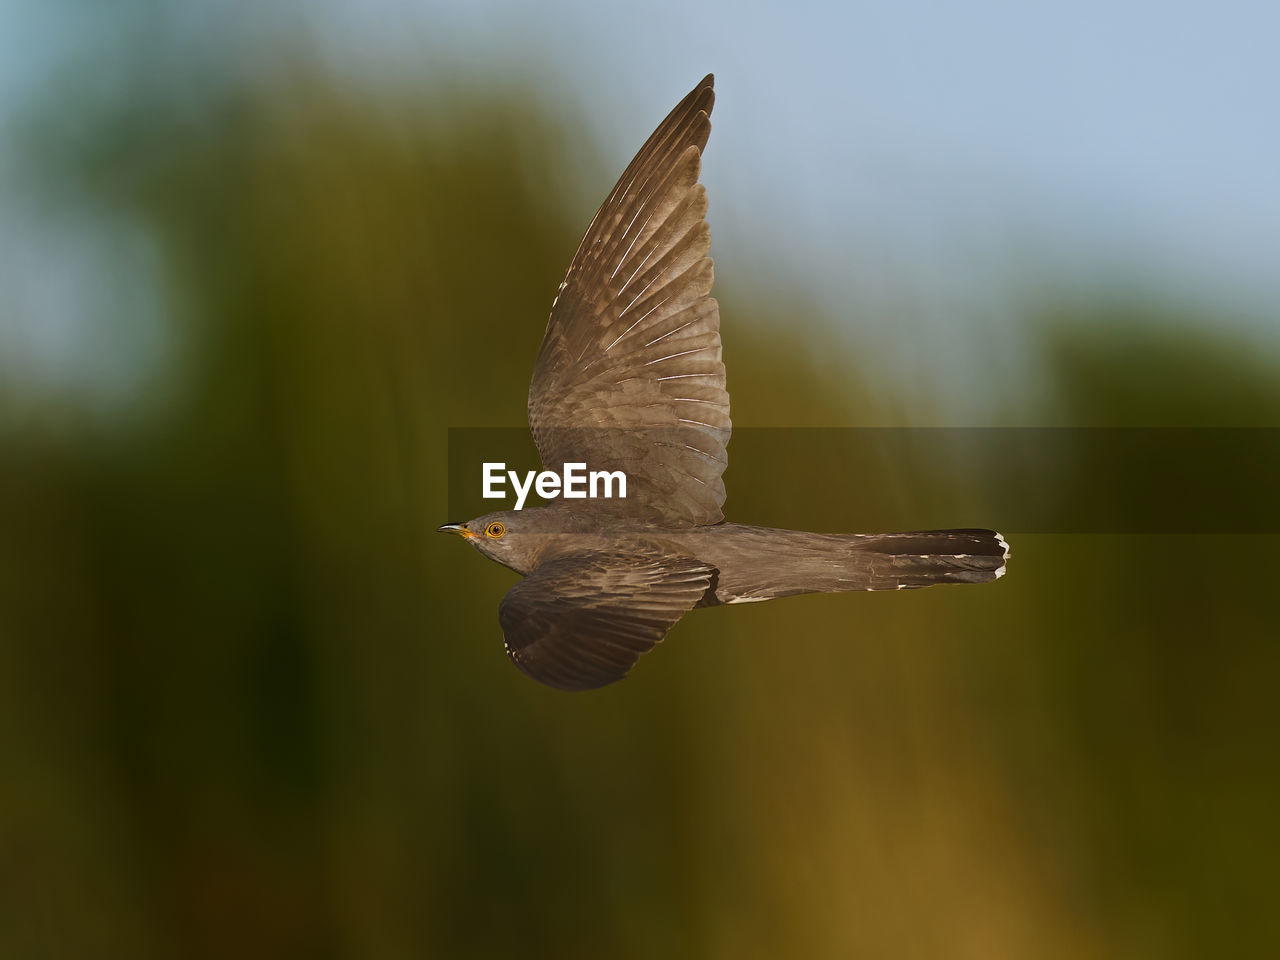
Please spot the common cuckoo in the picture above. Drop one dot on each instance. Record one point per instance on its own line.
(629, 377)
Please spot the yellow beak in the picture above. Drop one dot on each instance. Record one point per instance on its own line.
(459, 529)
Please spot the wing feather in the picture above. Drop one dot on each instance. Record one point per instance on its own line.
(582, 621)
(630, 374)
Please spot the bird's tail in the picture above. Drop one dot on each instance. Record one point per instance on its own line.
(902, 561)
(797, 562)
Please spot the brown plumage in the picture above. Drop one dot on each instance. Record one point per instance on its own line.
(630, 377)
(631, 357)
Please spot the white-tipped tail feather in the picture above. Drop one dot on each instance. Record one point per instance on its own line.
(760, 564)
(1004, 544)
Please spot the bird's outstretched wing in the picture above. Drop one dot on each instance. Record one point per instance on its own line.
(629, 376)
(582, 621)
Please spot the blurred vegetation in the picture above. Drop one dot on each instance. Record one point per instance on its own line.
(252, 706)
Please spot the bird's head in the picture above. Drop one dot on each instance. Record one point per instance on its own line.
(500, 536)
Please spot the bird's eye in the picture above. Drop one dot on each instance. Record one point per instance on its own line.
(496, 529)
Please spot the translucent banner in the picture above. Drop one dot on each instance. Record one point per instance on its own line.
(1024, 480)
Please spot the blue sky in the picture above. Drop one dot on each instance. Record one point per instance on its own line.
(1148, 132)
(922, 159)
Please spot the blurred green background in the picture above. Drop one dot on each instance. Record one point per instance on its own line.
(251, 705)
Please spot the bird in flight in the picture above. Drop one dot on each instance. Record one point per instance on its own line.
(630, 378)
